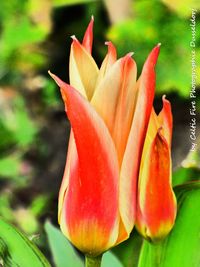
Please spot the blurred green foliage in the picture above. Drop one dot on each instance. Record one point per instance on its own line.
(23, 30)
(58, 3)
(15, 120)
(153, 23)
(182, 8)
(19, 34)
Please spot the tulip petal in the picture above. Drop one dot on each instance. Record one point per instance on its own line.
(156, 201)
(89, 218)
(165, 119)
(88, 37)
(108, 61)
(114, 100)
(71, 167)
(83, 70)
(132, 155)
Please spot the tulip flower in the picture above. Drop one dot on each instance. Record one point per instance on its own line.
(156, 203)
(109, 112)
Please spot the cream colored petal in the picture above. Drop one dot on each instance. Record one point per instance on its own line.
(114, 100)
(83, 70)
(107, 63)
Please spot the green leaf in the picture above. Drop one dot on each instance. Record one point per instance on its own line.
(183, 175)
(16, 250)
(181, 248)
(64, 254)
(109, 260)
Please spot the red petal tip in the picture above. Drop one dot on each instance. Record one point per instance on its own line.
(111, 47)
(127, 57)
(164, 99)
(75, 42)
(88, 36)
(112, 53)
(153, 56)
(108, 42)
(73, 38)
(53, 76)
(130, 54)
(59, 82)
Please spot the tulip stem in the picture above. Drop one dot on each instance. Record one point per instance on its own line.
(156, 250)
(93, 261)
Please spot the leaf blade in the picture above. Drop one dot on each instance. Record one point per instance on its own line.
(17, 250)
(63, 252)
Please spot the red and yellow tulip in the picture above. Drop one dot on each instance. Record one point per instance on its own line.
(109, 112)
(156, 202)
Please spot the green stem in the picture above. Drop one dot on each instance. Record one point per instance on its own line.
(93, 261)
(156, 254)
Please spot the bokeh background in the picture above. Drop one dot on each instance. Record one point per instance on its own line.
(35, 37)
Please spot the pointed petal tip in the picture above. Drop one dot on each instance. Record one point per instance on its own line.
(50, 73)
(75, 43)
(58, 81)
(73, 38)
(165, 100)
(108, 43)
(130, 54)
(155, 53)
(111, 50)
(128, 57)
(88, 36)
(64, 87)
(54, 77)
(153, 57)
(110, 46)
